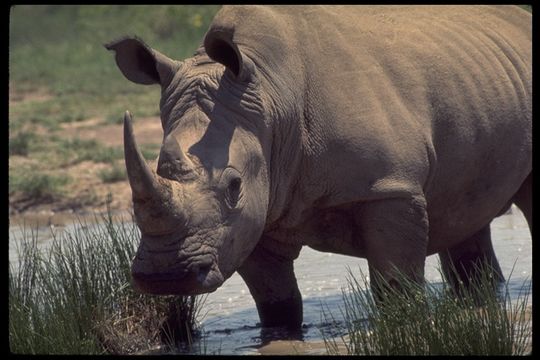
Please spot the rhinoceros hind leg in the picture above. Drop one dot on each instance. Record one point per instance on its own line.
(523, 199)
(272, 283)
(463, 262)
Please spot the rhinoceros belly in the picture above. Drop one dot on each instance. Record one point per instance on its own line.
(328, 230)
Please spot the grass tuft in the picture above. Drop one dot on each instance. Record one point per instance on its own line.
(38, 185)
(75, 297)
(114, 174)
(21, 144)
(432, 320)
(77, 150)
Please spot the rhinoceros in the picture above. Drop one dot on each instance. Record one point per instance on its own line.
(383, 132)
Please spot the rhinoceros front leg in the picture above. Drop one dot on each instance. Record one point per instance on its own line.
(463, 262)
(395, 235)
(271, 281)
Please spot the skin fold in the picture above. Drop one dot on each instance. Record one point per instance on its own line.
(384, 132)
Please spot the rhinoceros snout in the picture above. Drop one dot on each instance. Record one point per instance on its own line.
(200, 275)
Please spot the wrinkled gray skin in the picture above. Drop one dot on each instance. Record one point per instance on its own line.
(389, 133)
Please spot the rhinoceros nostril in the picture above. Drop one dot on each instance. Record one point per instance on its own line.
(203, 272)
(201, 267)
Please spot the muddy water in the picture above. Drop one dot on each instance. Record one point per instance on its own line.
(231, 322)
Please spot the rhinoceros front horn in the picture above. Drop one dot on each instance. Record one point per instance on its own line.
(141, 178)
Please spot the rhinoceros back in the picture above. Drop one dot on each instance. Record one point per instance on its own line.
(430, 99)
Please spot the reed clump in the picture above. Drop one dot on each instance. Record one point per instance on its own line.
(75, 297)
(433, 319)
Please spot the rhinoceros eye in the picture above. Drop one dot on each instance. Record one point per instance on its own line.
(231, 185)
(233, 192)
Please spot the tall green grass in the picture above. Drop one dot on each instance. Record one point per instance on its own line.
(432, 320)
(75, 297)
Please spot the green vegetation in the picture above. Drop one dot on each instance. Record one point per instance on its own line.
(430, 320)
(75, 150)
(115, 173)
(76, 297)
(22, 143)
(150, 152)
(60, 73)
(40, 186)
(60, 48)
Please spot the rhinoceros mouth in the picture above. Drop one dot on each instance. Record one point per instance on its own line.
(170, 284)
(176, 264)
(196, 277)
(175, 283)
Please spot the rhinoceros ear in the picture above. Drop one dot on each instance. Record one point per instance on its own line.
(142, 64)
(220, 47)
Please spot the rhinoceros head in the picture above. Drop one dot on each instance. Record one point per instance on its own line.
(202, 211)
